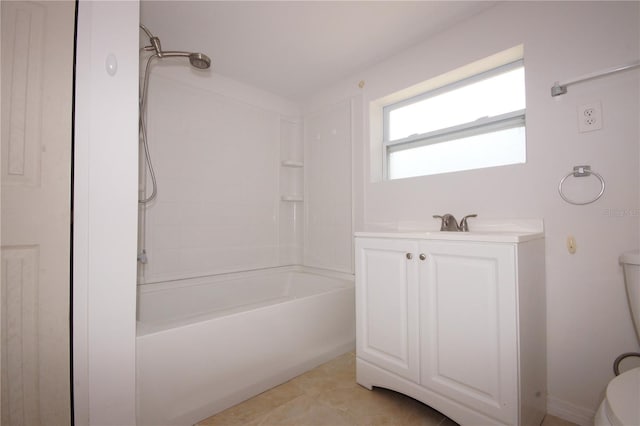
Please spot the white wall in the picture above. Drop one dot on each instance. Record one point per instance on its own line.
(588, 319)
(215, 146)
(105, 191)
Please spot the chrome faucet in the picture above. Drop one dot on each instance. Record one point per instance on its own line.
(450, 224)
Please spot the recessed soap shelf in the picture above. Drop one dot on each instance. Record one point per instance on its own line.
(292, 163)
(291, 198)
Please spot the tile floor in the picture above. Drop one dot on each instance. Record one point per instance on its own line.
(329, 395)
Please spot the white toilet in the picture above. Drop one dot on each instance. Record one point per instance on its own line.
(621, 405)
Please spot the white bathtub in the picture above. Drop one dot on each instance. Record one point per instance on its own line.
(206, 344)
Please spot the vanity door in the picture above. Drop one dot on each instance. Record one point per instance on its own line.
(468, 325)
(387, 304)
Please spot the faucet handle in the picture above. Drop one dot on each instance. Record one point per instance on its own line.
(464, 226)
(448, 223)
(442, 223)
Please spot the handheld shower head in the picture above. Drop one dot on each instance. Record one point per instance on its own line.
(200, 60)
(197, 60)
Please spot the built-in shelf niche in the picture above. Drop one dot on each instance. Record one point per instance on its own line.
(291, 191)
(291, 198)
(291, 170)
(291, 180)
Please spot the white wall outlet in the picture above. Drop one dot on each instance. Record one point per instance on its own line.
(590, 117)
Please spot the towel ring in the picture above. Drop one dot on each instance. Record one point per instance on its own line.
(581, 171)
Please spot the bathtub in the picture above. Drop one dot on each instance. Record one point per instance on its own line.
(206, 344)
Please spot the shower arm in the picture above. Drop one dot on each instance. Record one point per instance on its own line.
(166, 54)
(173, 54)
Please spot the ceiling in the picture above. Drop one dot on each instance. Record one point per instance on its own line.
(296, 48)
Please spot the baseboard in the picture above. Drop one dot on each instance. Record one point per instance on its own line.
(570, 412)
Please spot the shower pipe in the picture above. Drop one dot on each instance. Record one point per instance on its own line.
(197, 60)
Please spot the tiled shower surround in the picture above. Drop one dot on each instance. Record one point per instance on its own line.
(236, 188)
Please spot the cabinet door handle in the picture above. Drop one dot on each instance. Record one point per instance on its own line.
(409, 256)
(423, 256)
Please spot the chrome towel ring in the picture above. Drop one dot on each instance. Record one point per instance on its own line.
(581, 171)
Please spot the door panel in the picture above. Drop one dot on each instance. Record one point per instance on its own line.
(37, 65)
(387, 305)
(468, 326)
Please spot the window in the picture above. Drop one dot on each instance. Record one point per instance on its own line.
(469, 124)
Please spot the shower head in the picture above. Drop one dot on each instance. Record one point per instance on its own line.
(199, 60)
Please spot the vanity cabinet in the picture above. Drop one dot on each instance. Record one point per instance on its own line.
(458, 325)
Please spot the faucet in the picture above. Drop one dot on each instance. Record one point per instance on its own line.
(464, 226)
(450, 224)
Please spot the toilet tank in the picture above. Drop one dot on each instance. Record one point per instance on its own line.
(631, 264)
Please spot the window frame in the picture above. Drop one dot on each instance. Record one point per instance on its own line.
(480, 126)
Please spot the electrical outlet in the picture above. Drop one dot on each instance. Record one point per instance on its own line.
(590, 117)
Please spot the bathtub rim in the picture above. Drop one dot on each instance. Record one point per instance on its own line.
(208, 279)
(150, 328)
(235, 272)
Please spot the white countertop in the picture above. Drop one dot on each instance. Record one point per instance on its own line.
(497, 231)
(493, 237)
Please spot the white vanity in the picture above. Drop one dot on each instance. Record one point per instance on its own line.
(456, 320)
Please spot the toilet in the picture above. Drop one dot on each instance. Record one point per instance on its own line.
(621, 405)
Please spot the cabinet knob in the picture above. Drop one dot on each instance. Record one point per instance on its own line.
(409, 256)
(423, 256)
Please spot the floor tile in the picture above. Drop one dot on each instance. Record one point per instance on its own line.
(254, 410)
(329, 396)
(555, 421)
(304, 410)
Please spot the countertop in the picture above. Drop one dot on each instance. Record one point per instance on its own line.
(495, 231)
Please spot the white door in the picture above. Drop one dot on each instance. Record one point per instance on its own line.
(468, 325)
(37, 82)
(387, 304)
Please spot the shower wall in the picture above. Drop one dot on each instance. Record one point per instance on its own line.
(218, 149)
(328, 136)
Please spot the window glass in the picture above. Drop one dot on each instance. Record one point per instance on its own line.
(475, 152)
(474, 123)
